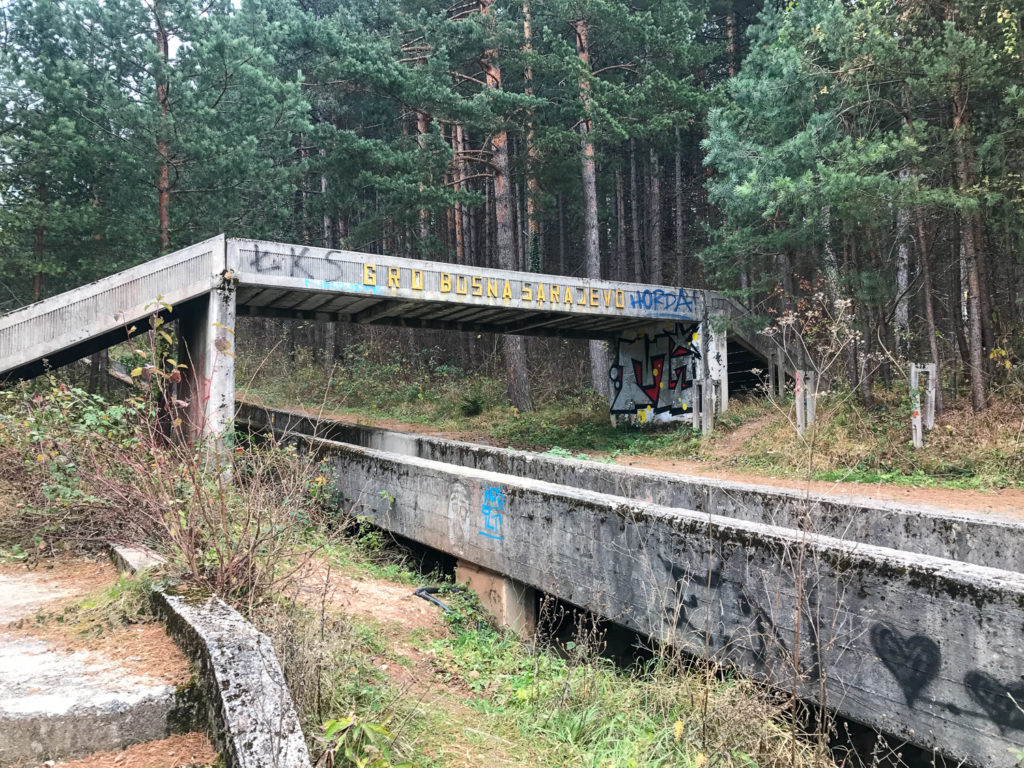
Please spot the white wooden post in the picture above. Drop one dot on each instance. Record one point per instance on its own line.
(801, 409)
(915, 401)
(929, 402)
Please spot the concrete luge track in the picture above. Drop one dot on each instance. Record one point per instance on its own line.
(979, 538)
(915, 639)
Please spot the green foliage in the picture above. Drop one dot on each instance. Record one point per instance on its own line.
(359, 744)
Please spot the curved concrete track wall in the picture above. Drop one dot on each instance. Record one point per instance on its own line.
(923, 647)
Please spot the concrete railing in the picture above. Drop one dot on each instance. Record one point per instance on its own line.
(112, 305)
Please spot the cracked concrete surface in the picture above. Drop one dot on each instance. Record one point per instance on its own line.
(58, 701)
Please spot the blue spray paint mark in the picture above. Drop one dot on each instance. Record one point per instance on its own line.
(492, 508)
(680, 304)
(334, 285)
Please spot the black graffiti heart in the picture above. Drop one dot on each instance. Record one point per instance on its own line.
(1001, 701)
(913, 661)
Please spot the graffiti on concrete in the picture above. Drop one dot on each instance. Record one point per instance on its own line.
(1002, 702)
(680, 303)
(913, 660)
(493, 508)
(726, 616)
(297, 262)
(683, 607)
(654, 374)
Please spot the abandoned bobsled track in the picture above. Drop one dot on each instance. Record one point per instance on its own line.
(923, 642)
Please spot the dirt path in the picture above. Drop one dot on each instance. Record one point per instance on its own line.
(184, 751)
(407, 625)
(1006, 501)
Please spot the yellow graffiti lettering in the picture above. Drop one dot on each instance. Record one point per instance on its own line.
(393, 274)
(460, 285)
(527, 292)
(507, 293)
(446, 283)
(417, 279)
(492, 288)
(369, 274)
(540, 293)
(620, 299)
(478, 286)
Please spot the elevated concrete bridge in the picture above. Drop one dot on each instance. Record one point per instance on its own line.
(662, 338)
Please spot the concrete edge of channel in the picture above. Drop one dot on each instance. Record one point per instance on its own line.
(249, 711)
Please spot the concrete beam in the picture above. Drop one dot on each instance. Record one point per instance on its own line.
(250, 715)
(928, 649)
(971, 537)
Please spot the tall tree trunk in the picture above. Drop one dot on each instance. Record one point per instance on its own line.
(591, 235)
(677, 209)
(39, 247)
(730, 35)
(901, 317)
(515, 348)
(634, 215)
(532, 221)
(562, 237)
(654, 249)
(422, 129)
(163, 145)
(969, 248)
(620, 227)
(924, 264)
(458, 145)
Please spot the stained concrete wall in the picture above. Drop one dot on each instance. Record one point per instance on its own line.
(978, 538)
(924, 648)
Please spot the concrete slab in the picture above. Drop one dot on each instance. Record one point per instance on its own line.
(60, 700)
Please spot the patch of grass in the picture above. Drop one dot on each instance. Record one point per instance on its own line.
(852, 444)
(125, 602)
(567, 705)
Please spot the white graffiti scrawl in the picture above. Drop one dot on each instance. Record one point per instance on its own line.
(653, 372)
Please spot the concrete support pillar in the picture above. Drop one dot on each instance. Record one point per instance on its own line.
(207, 339)
(511, 602)
(718, 363)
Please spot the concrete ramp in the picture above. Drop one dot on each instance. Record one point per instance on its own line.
(71, 325)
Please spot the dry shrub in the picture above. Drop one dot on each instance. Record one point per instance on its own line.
(110, 472)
